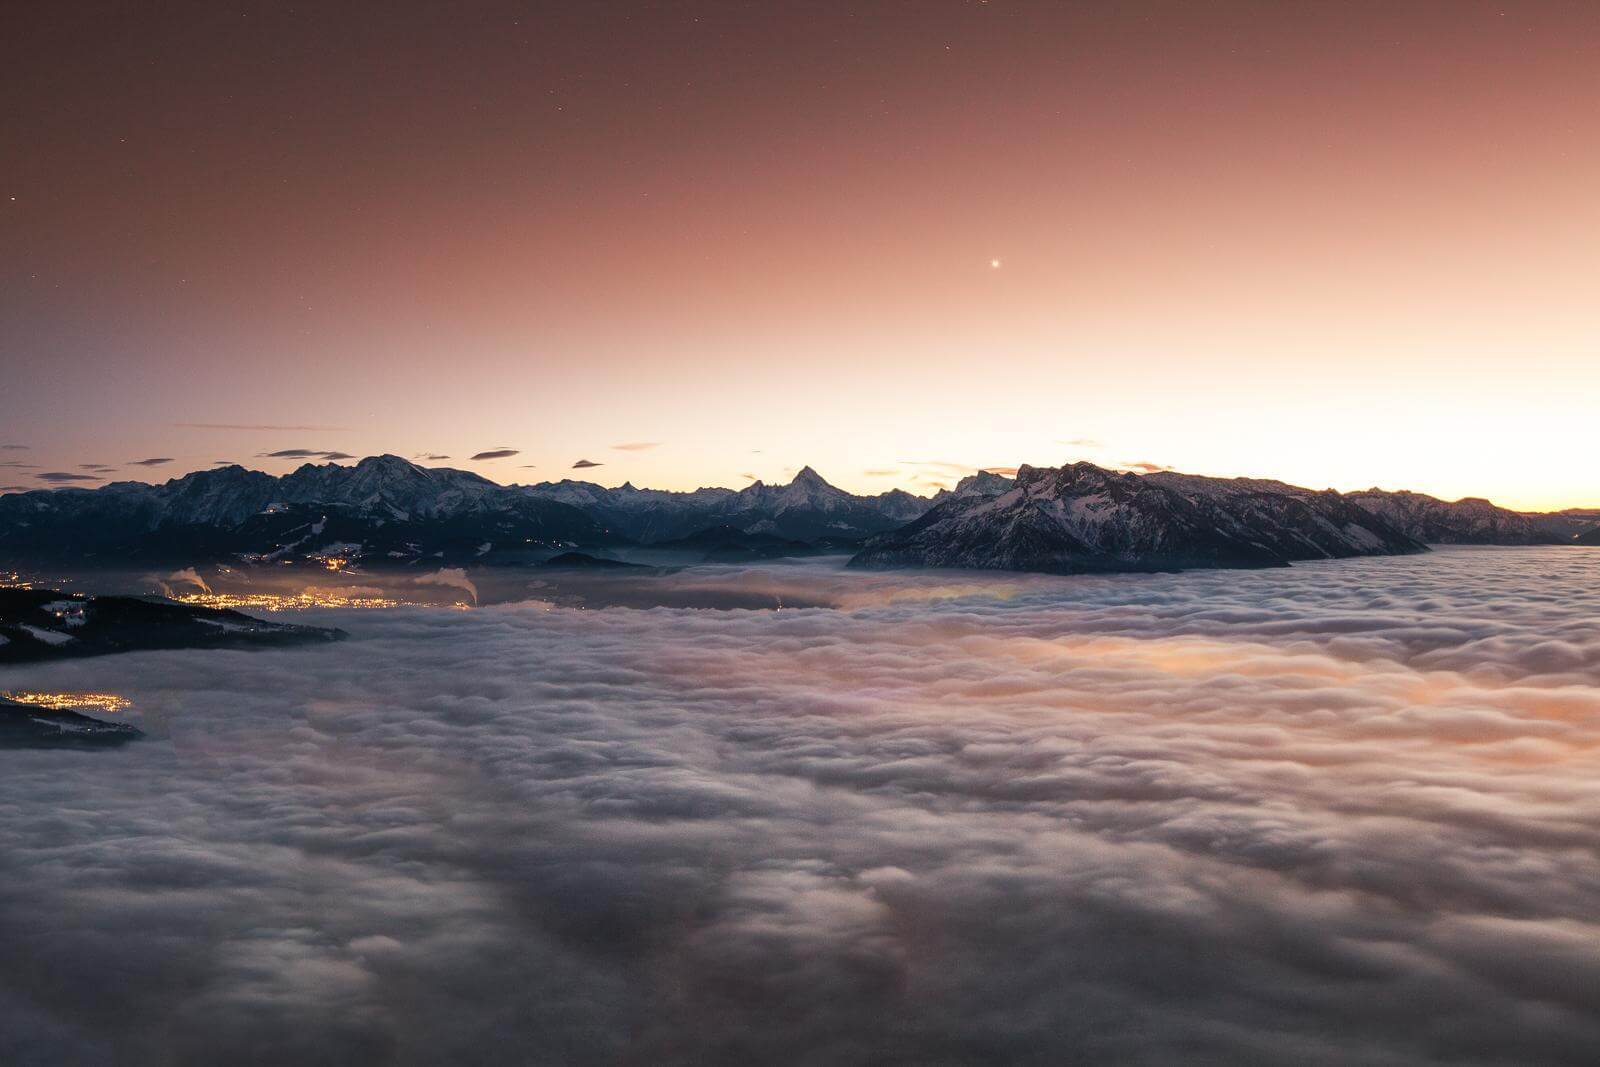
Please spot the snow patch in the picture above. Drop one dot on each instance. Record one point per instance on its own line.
(49, 637)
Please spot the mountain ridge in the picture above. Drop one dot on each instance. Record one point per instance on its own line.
(386, 509)
(1082, 518)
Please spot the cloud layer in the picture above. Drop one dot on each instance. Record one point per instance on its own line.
(1339, 813)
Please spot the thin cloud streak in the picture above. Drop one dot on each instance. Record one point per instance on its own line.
(271, 427)
(941, 466)
(304, 453)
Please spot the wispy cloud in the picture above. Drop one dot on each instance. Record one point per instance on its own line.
(1147, 468)
(582, 463)
(637, 446)
(496, 453)
(943, 466)
(434, 456)
(450, 577)
(66, 477)
(303, 453)
(1080, 442)
(1009, 472)
(14, 448)
(155, 461)
(273, 427)
(881, 472)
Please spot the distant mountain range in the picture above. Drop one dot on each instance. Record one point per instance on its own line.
(386, 510)
(807, 509)
(1471, 521)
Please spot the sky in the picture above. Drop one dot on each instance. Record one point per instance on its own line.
(1344, 245)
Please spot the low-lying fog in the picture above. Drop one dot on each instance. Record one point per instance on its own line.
(1341, 813)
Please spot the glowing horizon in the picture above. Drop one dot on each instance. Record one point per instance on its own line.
(923, 478)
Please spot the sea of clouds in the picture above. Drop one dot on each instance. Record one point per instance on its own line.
(1342, 813)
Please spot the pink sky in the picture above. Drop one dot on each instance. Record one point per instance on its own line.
(1343, 245)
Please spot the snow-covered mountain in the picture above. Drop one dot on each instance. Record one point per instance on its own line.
(383, 507)
(386, 508)
(806, 509)
(1083, 518)
(1471, 521)
(984, 483)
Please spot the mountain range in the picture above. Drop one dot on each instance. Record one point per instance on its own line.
(386, 510)
(1470, 521)
(1083, 518)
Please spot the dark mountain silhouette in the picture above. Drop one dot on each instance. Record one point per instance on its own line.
(1083, 518)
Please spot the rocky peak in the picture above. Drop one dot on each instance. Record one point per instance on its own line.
(1078, 477)
(390, 464)
(810, 478)
(982, 484)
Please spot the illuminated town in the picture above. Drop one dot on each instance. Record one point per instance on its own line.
(301, 601)
(106, 702)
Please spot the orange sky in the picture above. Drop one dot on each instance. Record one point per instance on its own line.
(1341, 244)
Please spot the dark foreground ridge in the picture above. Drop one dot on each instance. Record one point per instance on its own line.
(41, 726)
(38, 624)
